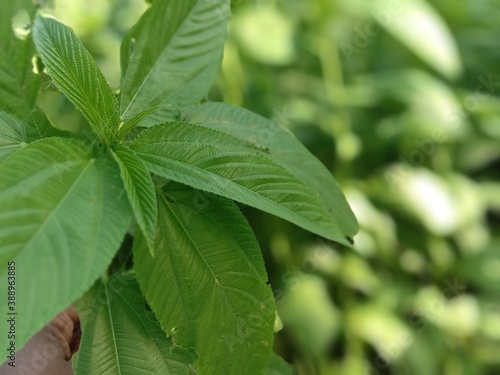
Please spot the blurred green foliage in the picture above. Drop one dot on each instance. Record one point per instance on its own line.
(401, 100)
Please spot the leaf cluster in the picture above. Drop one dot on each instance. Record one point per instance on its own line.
(159, 159)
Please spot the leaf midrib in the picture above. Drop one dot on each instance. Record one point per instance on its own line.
(195, 245)
(18, 130)
(112, 330)
(127, 302)
(11, 145)
(54, 210)
(66, 48)
(236, 243)
(185, 309)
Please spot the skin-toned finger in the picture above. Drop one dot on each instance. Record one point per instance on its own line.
(65, 329)
(49, 351)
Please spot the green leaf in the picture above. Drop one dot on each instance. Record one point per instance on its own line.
(127, 126)
(38, 126)
(284, 149)
(278, 366)
(19, 85)
(207, 282)
(210, 160)
(12, 134)
(120, 338)
(171, 57)
(140, 190)
(75, 73)
(63, 215)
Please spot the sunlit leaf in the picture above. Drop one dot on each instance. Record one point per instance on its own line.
(74, 71)
(171, 57)
(284, 149)
(63, 215)
(140, 190)
(210, 160)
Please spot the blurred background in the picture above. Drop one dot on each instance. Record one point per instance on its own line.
(400, 99)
